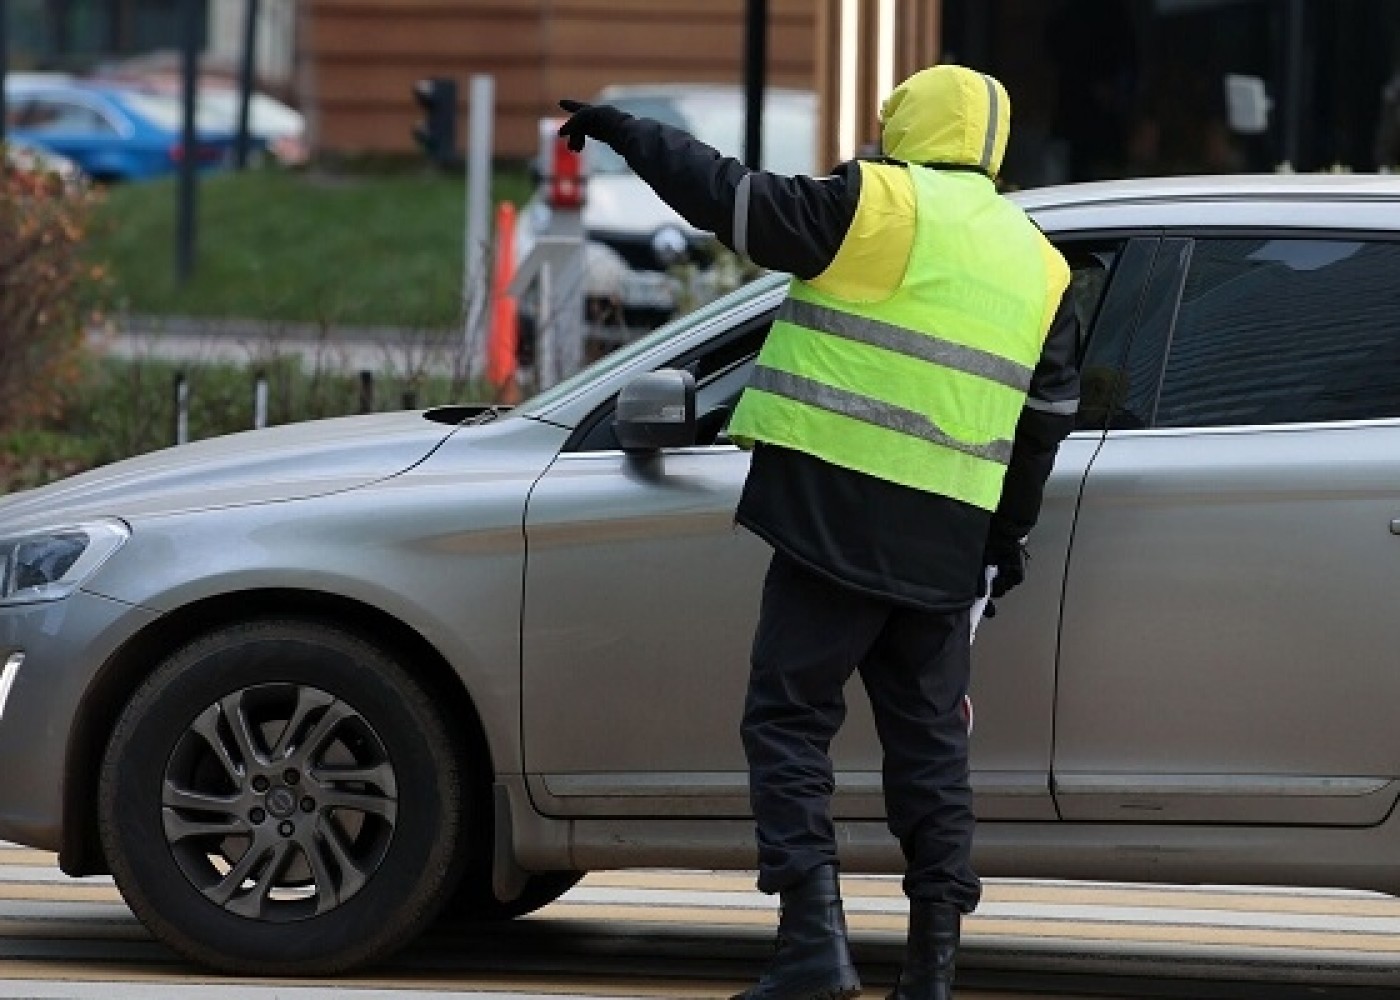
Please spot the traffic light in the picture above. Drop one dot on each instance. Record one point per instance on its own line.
(437, 131)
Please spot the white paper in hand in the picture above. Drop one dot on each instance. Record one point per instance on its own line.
(980, 608)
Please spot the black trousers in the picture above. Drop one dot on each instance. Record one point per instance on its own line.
(812, 635)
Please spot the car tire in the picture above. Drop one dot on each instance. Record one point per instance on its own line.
(282, 798)
(476, 901)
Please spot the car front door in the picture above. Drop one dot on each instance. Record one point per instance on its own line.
(1229, 639)
(641, 597)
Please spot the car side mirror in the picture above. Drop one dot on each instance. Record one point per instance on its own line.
(655, 411)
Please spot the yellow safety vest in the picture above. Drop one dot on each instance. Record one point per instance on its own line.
(923, 387)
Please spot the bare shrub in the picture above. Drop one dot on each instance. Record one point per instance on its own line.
(46, 292)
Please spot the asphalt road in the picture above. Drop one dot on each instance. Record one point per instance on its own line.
(705, 935)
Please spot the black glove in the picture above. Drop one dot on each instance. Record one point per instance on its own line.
(1010, 561)
(593, 121)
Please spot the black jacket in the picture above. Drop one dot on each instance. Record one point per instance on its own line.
(879, 537)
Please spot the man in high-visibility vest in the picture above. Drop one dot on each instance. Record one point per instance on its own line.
(906, 410)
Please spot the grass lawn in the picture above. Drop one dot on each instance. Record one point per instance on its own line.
(370, 249)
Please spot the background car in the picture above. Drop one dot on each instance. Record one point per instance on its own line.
(281, 129)
(112, 133)
(635, 240)
(300, 689)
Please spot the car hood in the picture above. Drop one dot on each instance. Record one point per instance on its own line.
(280, 463)
(624, 203)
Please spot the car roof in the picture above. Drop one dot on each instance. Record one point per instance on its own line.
(1221, 187)
(1323, 202)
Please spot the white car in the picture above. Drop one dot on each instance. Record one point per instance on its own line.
(283, 128)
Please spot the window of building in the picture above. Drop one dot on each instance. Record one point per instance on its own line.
(1281, 330)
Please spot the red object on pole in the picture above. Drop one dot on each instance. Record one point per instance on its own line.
(565, 177)
(502, 341)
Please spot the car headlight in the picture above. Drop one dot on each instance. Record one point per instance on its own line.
(49, 565)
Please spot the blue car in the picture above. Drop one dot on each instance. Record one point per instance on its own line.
(113, 133)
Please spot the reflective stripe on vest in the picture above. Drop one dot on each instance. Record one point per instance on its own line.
(912, 343)
(872, 411)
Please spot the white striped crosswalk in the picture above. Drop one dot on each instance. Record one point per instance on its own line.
(701, 934)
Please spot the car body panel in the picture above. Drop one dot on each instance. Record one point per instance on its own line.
(439, 548)
(617, 542)
(1272, 667)
(249, 468)
(62, 642)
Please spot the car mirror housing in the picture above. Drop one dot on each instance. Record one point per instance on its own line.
(655, 411)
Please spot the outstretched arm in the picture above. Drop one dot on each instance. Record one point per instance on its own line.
(793, 224)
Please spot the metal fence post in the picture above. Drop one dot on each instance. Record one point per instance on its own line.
(182, 408)
(476, 283)
(260, 401)
(366, 391)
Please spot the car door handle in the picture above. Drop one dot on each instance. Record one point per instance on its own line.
(1395, 526)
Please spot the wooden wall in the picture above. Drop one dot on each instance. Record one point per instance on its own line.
(363, 56)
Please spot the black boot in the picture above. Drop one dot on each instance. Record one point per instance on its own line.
(931, 954)
(813, 961)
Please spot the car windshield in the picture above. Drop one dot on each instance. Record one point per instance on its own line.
(789, 130)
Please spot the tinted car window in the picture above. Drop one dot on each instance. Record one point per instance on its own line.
(1105, 320)
(1282, 330)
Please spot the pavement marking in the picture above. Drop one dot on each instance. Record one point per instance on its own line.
(54, 927)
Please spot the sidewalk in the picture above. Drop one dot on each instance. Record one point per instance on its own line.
(1295, 936)
(1283, 936)
(196, 340)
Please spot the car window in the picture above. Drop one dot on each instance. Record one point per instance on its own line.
(1281, 330)
(1090, 265)
(721, 369)
(1104, 323)
(56, 116)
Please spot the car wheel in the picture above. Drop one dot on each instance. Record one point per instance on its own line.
(281, 797)
(475, 899)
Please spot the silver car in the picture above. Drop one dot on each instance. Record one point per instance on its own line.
(300, 689)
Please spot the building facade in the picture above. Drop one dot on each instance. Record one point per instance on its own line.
(1101, 88)
(364, 56)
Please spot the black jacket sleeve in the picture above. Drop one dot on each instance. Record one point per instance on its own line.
(793, 224)
(1046, 420)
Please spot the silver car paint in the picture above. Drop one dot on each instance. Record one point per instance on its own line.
(441, 548)
(247, 468)
(617, 543)
(1233, 795)
(77, 634)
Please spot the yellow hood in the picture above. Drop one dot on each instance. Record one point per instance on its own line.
(947, 115)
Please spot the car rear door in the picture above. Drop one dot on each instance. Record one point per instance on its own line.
(1229, 639)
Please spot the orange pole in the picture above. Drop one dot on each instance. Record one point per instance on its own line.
(503, 339)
